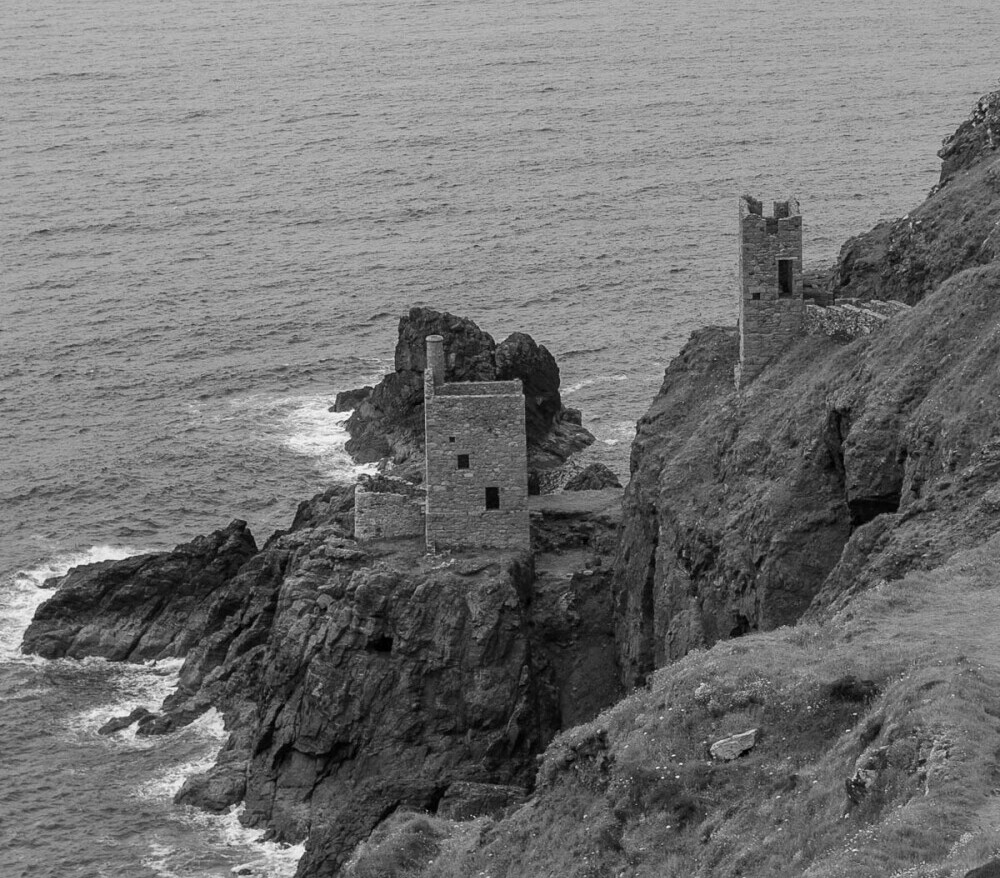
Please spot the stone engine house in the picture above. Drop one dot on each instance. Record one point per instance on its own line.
(772, 308)
(476, 460)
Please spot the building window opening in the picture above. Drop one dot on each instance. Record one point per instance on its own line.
(463, 461)
(786, 282)
(492, 498)
(755, 296)
(451, 438)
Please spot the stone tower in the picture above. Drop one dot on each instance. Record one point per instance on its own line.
(476, 459)
(770, 266)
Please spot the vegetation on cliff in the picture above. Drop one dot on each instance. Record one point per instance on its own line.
(852, 490)
(810, 564)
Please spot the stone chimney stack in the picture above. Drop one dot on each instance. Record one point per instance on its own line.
(435, 358)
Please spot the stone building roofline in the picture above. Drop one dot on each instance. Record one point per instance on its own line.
(481, 388)
(782, 212)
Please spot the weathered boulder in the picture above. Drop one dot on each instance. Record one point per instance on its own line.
(734, 746)
(593, 477)
(118, 723)
(388, 424)
(348, 400)
(140, 608)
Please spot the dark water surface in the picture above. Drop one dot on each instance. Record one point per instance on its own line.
(214, 214)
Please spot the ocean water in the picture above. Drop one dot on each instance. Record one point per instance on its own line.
(214, 214)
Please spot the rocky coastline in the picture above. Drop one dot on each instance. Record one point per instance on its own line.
(795, 590)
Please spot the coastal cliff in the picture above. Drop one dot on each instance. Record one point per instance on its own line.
(805, 596)
(841, 466)
(357, 679)
(800, 586)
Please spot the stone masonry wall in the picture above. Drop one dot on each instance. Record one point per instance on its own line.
(485, 422)
(847, 319)
(769, 322)
(382, 516)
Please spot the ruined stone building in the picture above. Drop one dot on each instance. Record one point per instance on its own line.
(772, 308)
(476, 476)
(476, 460)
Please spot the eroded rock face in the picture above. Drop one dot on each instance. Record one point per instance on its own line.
(388, 423)
(355, 680)
(840, 467)
(956, 228)
(145, 607)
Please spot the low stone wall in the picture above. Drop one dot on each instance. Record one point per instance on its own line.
(385, 516)
(848, 320)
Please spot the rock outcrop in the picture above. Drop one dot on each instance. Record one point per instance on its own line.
(388, 422)
(839, 468)
(957, 227)
(144, 607)
(355, 680)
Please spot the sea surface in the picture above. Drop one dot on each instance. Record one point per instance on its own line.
(212, 215)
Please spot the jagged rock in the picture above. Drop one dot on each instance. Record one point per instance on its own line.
(348, 400)
(466, 801)
(978, 137)
(389, 423)
(593, 477)
(842, 466)
(953, 230)
(116, 724)
(866, 772)
(218, 789)
(144, 607)
(734, 746)
(413, 677)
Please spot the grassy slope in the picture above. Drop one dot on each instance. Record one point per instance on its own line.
(905, 782)
(634, 793)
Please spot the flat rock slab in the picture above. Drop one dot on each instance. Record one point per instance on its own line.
(734, 746)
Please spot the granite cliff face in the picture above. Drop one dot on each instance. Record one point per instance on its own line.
(839, 467)
(388, 422)
(355, 679)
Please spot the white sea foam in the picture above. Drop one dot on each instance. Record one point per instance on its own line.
(306, 426)
(266, 859)
(20, 591)
(139, 685)
(590, 382)
(206, 734)
(311, 429)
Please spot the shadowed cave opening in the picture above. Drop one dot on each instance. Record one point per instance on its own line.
(382, 643)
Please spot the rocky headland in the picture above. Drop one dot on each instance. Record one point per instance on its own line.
(798, 590)
(387, 421)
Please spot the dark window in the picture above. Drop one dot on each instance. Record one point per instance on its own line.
(451, 438)
(492, 498)
(755, 296)
(786, 283)
(463, 461)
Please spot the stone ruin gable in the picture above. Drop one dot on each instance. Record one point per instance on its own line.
(476, 457)
(385, 515)
(771, 305)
